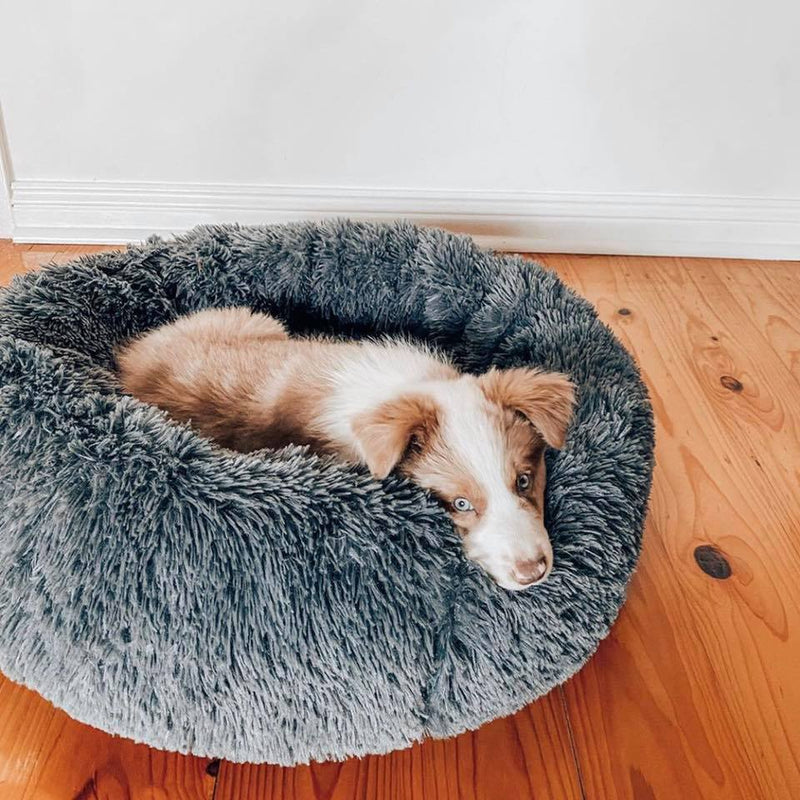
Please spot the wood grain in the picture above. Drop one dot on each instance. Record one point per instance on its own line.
(528, 755)
(16, 259)
(45, 755)
(695, 694)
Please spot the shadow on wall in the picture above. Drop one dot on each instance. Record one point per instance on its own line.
(6, 177)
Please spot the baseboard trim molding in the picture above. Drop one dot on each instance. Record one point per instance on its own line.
(637, 224)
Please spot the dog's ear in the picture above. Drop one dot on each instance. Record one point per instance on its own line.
(546, 399)
(386, 433)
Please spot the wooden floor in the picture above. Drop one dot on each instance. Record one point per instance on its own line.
(696, 692)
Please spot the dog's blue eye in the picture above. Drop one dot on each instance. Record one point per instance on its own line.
(462, 504)
(523, 482)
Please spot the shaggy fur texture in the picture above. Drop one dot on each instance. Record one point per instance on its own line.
(276, 606)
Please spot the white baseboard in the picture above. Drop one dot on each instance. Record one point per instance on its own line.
(638, 224)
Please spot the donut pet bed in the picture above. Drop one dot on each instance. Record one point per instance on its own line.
(278, 606)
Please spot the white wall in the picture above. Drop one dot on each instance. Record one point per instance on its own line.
(6, 225)
(663, 101)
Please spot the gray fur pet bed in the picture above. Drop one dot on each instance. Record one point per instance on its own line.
(275, 606)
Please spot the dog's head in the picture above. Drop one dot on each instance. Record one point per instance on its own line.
(477, 444)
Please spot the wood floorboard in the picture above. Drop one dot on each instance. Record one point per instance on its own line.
(524, 756)
(695, 694)
(45, 755)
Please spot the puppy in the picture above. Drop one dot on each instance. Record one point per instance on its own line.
(475, 442)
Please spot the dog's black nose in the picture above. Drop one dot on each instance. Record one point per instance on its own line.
(530, 571)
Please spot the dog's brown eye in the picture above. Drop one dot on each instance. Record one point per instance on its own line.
(523, 482)
(462, 505)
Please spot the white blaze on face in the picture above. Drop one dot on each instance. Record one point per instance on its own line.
(509, 532)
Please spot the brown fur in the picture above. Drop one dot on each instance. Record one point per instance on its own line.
(210, 369)
(389, 431)
(239, 379)
(545, 398)
(436, 468)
